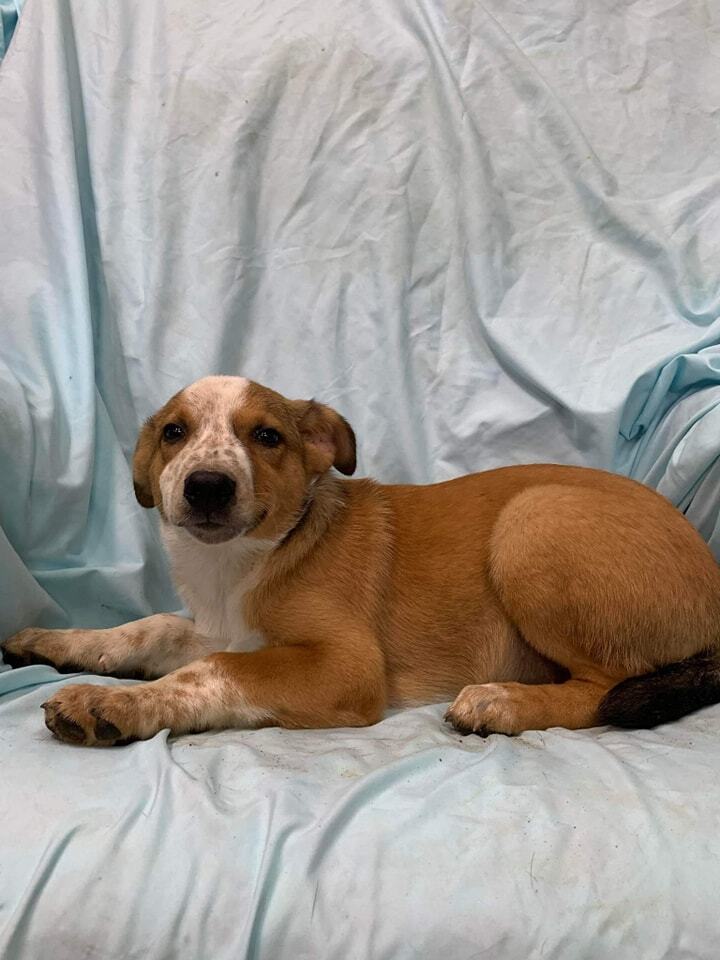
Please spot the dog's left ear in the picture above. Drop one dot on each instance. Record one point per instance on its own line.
(144, 452)
(329, 438)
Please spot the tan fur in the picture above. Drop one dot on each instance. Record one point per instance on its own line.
(525, 593)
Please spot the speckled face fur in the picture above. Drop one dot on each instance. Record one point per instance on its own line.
(210, 446)
(226, 458)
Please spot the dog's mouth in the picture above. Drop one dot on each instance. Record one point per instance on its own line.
(211, 531)
(214, 530)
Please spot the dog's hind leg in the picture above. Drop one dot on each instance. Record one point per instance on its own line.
(511, 708)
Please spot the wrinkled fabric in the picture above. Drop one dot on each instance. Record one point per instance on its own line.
(398, 841)
(487, 233)
(679, 458)
(9, 13)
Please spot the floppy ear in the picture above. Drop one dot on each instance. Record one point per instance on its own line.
(144, 450)
(329, 438)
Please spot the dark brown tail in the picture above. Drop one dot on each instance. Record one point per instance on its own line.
(667, 694)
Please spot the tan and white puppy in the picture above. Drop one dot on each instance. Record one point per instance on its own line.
(537, 596)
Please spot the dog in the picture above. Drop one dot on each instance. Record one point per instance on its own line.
(535, 596)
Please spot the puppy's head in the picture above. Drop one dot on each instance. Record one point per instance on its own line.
(228, 458)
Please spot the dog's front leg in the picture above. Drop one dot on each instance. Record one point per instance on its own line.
(144, 649)
(295, 686)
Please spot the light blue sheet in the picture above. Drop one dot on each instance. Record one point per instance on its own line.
(488, 234)
(399, 841)
(9, 12)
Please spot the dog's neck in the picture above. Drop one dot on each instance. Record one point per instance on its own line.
(207, 574)
(325, 498)
(212, 579)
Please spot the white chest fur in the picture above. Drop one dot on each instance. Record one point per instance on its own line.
(214, 581)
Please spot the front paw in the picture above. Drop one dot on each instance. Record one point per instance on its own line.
(35, 645)
(90, 715)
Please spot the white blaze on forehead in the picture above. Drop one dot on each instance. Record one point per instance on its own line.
(212, 444)
(213, 401)
(217, 395)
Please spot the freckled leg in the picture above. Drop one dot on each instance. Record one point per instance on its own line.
(145, 648)
(284, 686)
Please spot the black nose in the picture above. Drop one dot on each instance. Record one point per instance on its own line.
(207, 490)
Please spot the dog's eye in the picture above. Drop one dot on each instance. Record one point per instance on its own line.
(172, 432)
(267, 436)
